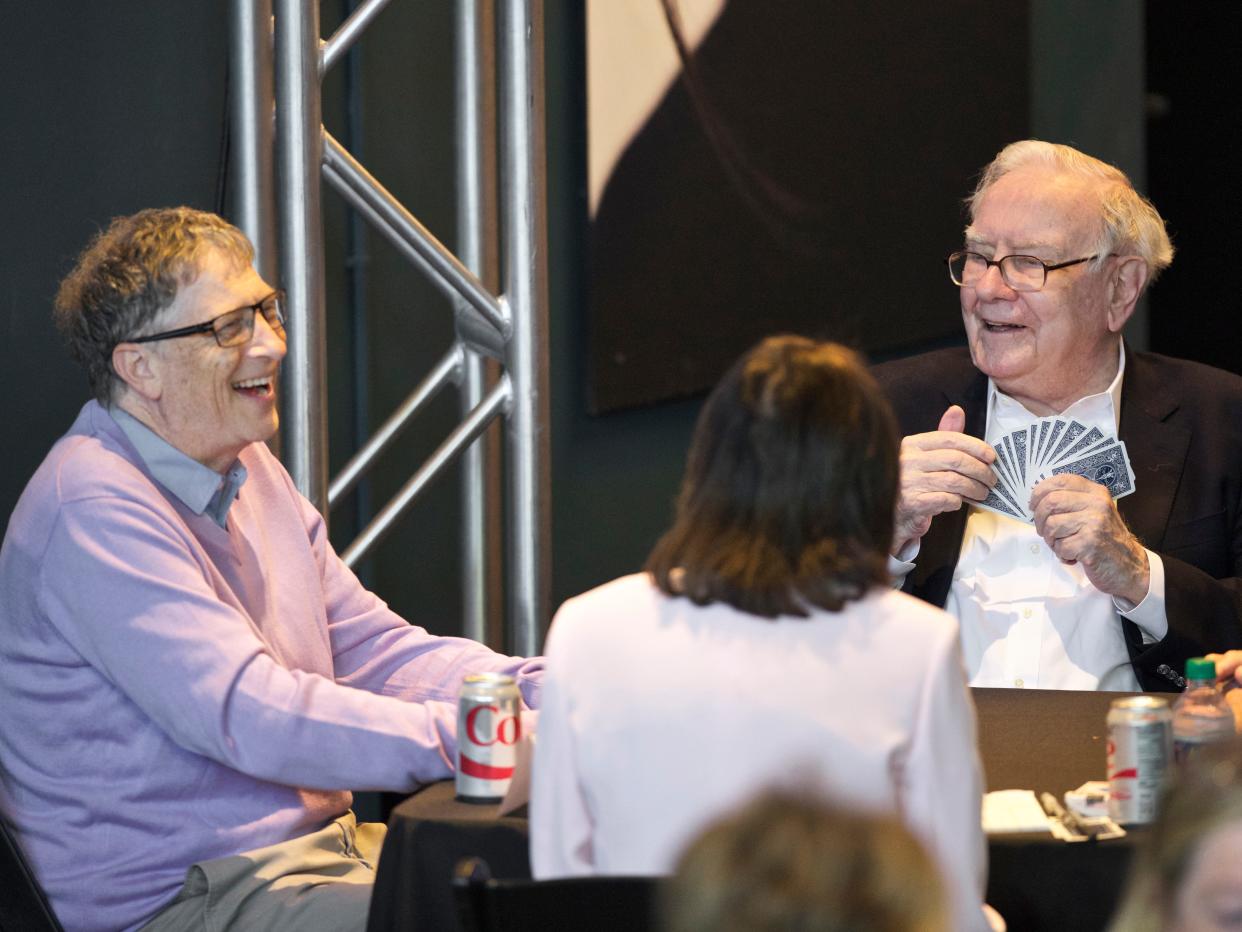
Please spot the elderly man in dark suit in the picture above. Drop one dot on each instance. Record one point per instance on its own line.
(1092, 593)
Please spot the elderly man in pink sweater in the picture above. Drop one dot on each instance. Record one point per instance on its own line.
(193, 679)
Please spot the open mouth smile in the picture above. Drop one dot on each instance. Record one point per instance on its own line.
(262, 387)
(994, 326)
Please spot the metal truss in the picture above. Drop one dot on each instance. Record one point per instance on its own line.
(495, 39)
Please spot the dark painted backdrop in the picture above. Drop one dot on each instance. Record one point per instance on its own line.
(804, 176)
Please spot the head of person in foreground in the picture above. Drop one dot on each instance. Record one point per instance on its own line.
(789, 862)
(789, 489)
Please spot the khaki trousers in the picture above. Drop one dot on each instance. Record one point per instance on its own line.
(320, 882)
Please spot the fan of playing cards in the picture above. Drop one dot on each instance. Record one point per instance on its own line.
(1049, 447)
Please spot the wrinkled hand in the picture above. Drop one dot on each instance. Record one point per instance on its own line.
(939, 470)
(1229, 675)
(1079, 520)
(1227, 665)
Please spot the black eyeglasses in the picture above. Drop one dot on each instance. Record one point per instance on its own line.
(234, 328)
(1021, 273)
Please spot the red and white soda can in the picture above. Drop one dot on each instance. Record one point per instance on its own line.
(488, 729)
(1140, 746)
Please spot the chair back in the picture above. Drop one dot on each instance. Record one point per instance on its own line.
(601, 904)
(23, 907)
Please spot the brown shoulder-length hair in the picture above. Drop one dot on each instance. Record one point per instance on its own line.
(790, 485)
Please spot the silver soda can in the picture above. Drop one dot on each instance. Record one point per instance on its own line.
(488, 729)
(1140, 747)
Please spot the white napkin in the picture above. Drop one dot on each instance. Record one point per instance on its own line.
(1009, 811)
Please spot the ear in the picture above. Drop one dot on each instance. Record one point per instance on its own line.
(135, 366)
(1125, 285)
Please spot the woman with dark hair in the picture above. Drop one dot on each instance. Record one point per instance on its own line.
(763, 645)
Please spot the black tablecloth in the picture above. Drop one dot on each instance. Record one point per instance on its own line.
(1028, 739)
(427, 835)
(1053, 740)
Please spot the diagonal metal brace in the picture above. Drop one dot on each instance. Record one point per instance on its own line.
(448, 370)
(493, 405)
(414, 240)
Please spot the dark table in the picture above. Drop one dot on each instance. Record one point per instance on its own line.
(1042, 739)
(1028, 738)
(1053, 740)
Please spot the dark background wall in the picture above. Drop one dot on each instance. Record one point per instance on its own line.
(109, 108)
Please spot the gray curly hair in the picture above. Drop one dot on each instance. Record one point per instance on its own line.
(129, 274)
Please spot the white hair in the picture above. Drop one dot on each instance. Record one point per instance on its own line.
(1130, 223)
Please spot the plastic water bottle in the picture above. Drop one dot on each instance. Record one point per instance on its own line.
(1200, 715)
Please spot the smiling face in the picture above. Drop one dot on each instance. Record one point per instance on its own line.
(207, 400)
(1045, 348)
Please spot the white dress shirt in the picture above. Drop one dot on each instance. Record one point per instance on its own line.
(1027, 619)
(659, 715)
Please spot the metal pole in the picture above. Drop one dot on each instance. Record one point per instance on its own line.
(250, 79)
(349, 32)
(477, 247)
(446, 371)
(492, 406)
(525, 289)
(363, 190)
(357, 261)
(298, 155)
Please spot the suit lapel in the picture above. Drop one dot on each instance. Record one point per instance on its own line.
(1156, 443)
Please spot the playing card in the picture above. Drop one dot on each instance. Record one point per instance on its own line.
(1080, 446)
(1002, 467)
(1053, 446)
(1013, 498)
(1019, 441)
(1011, 462)
(1054, 434)
(1042, 429)
(1071, 433)
(1095, 448)
(1109, 466)
(1003, 497)
(1032, 438)
(998, 502)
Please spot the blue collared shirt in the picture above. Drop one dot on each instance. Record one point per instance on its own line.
(202, 490)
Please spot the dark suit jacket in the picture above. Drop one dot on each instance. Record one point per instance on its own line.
(1182, 425)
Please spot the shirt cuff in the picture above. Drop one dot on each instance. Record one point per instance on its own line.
(901, 563)
(1149, 614)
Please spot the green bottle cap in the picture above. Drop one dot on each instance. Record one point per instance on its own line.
(1197, 668)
